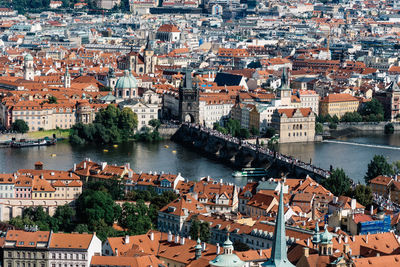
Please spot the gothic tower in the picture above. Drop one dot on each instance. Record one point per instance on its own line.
(284, 91)
(148, 58)
(188, 100)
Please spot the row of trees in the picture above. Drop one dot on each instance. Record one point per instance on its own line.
(234, 128)
(340, 184)
(96, 211)
(111, 125)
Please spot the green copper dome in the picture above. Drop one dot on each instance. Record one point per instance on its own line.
(28, 57)
(126, 82)
(317, 236)
(227, 260)
(326, 237)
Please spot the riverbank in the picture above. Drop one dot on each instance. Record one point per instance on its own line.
(60, 134)
(350, 128)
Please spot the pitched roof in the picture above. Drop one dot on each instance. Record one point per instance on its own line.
(77, 241)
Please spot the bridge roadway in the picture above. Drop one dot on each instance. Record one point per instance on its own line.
(242, 154)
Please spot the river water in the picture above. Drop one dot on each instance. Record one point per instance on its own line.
(347, 153)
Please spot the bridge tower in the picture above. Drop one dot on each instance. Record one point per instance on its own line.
(188, 100)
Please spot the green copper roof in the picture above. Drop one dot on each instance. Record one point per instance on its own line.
(126, 82)
(227, 260)
(108, 97)
(28, 57)
(316, 237)
(279, 252)
(326, 237)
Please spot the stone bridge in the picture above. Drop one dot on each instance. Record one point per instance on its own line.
(240, 154)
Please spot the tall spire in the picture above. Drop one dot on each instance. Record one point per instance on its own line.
(187, 83)
(284, 80)
(279, 252)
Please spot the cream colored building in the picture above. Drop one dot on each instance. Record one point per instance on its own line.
(338, 104)
(294, 124)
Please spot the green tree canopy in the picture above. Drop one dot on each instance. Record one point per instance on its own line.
(319, 128)
(363, 194)
(197, 227)
(93, 206)
(378, 166)
(135, 218)
(338, 182)
(111, 125)
(20, 126)
(372, 111)
(351, 117)
(52, 100)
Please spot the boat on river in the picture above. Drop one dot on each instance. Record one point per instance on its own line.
(250, 172)
(30, 143)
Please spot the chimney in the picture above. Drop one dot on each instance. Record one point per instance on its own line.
(74, 168)
(177, 239)
(169, 236)
(70, 174)
(84, 165)
(353, 203)
(260, 252)
(204, 246)
(378, 254)
(221, 181)
(335, 199)
(218, 249)
(130, 174)
(308, 242)
(371, 210)
(353, 238)
(346, 239)
(128, 165)
(339, 239)
(366, 239)
(116, 252)
(127, 239)
(182, 240)
(152, 236)
(103, 165)
(346, 248)
(306, 252)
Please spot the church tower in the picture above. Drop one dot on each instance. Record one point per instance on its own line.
(67, 78)
(149, 58)
(284, 91)
(279, 250)
(29, 71)
(111, 79)
(188, 100)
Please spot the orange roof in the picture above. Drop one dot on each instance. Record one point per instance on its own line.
(168, 28)
(63, 240)
(339, 98)
(289, 112)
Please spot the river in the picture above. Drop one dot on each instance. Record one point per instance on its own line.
(170, 157)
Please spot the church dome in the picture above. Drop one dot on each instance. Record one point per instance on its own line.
(326, 237)
(28, 57)
(227, 259)
(126, 82)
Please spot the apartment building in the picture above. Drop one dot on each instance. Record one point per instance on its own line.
(338, 104)
(47, 249)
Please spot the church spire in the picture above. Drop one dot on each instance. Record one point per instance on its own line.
(279, 252)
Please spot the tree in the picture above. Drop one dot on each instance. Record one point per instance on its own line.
(244, 133)
(270, 132)
(197, 227)
(93, 206)
(63, 218)
(135, 218)
(110, 126)
(338, 182)
(396, 167)
(389, 128)
(351, 117)
(363, 194)
(155, 123)
(20, 126)
(372, 111)
(319, 128)
(52, 100)
(81, 228)
(255, 131)
(233, 127)
(113, 186)
(378, 166)
(240, 246)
